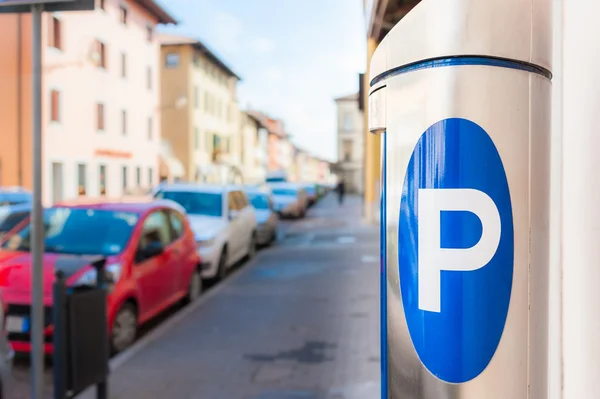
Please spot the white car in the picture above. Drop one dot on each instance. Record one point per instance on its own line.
(223, 222)
(290, 199)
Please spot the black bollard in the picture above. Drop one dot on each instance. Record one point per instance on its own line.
(59, 337)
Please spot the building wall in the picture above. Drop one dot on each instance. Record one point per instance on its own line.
(177, 121)
(72, 71)
(350, 130)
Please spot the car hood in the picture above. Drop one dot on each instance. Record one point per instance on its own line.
(284, 199)
(206, 227)
(262, 215)
(16, 268)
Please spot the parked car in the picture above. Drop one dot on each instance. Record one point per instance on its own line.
(290, 200)
(151, 263)
(311, 193)
(223, 221)
(12, 215)
(6, 358)
(266, 218)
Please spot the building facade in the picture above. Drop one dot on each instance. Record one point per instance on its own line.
(350, 143)
(201, 118)
(254, 149)
(101, 125)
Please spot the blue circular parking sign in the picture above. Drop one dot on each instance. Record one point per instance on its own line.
(455, 249)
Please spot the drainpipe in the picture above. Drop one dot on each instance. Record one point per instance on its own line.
(19, 103)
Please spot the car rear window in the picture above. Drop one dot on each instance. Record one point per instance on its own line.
(195, 203)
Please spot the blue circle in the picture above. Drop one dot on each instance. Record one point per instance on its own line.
(457, 343)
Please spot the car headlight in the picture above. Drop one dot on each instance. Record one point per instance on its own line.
(203, 243)
(112, 274)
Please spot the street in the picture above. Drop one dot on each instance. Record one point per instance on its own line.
(300, 321)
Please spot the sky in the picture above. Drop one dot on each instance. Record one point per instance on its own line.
(294, 57)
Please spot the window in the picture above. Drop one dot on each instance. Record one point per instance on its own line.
(54, 36)
(101, 5)
(123, 65)
(150, 126)
(80, 231)
(172, 60)
(196, 138)
(102, 179)
(347, 122)
(124, 177)
(55, 106)
(177, 224)
(195, 203)
(209, 142)
(100, 117)
(150, 177)
(156, 228)
(206, 101)
(11, 221)
(81, 179)
(196, 99)
(149, 33)
(149, 78)
(232, 204)
(216, 142)
(259, 200)
(123, 122)
(347, 148)
(123, 15)
(138, 176)
(100, 54)
(240, 199)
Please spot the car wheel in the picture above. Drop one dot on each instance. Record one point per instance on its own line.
(124, 329)
(195, 287)
(252, 247)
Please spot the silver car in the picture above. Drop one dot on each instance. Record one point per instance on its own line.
(290, 200)
(266, 218)
(6, 359)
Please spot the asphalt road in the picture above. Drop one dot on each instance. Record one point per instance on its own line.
(300, 321)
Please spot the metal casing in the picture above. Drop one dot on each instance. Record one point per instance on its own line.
(479, 81)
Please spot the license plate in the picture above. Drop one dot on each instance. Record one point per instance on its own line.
(16, 324)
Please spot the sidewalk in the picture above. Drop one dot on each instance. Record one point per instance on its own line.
(299, 322)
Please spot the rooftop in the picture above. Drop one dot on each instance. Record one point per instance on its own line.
(175, 40)
(158, 11)
(349, 97)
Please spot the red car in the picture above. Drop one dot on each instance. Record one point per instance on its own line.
(151, 263)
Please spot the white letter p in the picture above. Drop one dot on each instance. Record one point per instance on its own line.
(432, 258)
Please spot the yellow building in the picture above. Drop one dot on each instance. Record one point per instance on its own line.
(200, 117)
(380, 17)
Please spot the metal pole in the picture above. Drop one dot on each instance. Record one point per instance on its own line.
(37, 231)
(580, 199)
(20, 100)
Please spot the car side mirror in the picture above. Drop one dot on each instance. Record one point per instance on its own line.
(154, 248)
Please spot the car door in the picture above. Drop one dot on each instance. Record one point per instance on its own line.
(154, 275)
(236, 239)
(248, 218)
(181, 253)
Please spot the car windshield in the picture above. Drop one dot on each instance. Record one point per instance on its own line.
(206, 204)
(11, 221)
(287, 192)
(79, 231)
(259, 201)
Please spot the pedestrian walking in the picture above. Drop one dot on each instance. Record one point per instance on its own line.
(341, 190)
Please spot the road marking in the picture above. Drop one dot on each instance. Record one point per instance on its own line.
(346, 240)
(369, 259)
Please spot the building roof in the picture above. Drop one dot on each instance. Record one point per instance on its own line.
(174, 40)
(157, 10)
(274, 126)
(349, 97)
